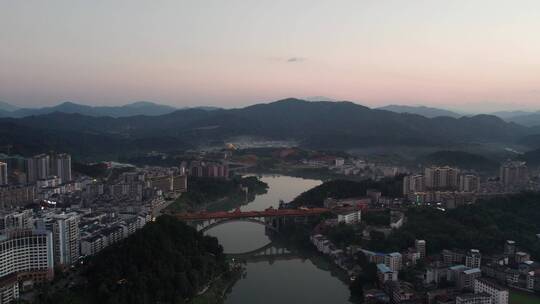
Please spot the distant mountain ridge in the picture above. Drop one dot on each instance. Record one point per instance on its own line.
(4, 106)
(327, 125)
(529, 120)
(508, 115)
(428, 112)
(132, 109)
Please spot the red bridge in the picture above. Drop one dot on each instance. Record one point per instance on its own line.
(271, 218)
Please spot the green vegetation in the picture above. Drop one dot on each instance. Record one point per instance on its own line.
(519, 297)
(353, 126)
(165, 262)
(343, 235)
(207, 190)
(97, 170)
(460, 159)
(366, 278)
(484, 225)
(345, 189)
(377, 218)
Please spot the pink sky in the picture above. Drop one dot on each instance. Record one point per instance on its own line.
(481, 55)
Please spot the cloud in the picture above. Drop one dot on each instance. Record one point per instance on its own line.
(296, 59)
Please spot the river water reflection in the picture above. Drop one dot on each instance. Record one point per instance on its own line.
(290, 280)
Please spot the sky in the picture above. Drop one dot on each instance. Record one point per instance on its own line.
(473, 55)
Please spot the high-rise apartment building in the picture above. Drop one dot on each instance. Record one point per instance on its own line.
(17, 220)
(413, 183)
(513, 174)
(509, 247)
(469, 183)
(66, 237)
(420, 246)
(441, 177)
(61, 166)
(38, 167)
(394, 261)
(3, 174)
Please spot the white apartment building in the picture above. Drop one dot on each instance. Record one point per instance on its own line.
(474, 298)
(26, 256)
(499, 294)
(350, 217)
(66, 236)
(394, 261)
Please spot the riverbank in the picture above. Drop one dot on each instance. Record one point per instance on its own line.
(207, 191)
(323, 174)
(217, 291)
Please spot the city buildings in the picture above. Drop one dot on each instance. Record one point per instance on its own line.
(38, 167)
(16, 220)
(469, 183)
(498, 294)
(513, 175)
(474, 298)
(3, 174)
(385, 274)
(393, 261)
(17, 195)
(420, 246)
(509, 247)
(413, 183)
(209, 169)
(466, 277)
(445, 185)
(473, 258)
(66, 236)
(26, 258)
(61, 166)
(349, 216)
(441, 177)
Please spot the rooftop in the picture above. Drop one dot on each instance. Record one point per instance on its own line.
(492, 284)
(383, 268)
(457, 267)
(472, 271)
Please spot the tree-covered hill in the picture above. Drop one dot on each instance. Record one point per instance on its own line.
(346, 189)
(484, 225)
(165, 262)
(460, 159)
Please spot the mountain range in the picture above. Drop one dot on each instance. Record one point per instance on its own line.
(421, 110)
(529, 119)
(132, 109)
(4, 106)
(326, 125)
(525, 118)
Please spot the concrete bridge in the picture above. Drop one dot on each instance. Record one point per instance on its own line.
(270, 218)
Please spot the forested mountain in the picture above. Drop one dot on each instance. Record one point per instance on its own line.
(329, 125)
(4, 106)
(132, 109)
(528, 120)
(420, 110)
(508, 115)
(459, 159)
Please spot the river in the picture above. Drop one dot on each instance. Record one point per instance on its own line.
(293, 279)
